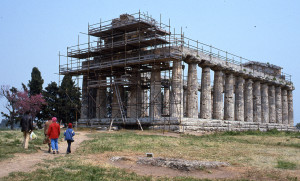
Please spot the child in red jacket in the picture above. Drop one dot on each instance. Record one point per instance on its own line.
(53, 133)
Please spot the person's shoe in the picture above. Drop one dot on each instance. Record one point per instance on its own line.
(49, 151)
(57, 152)
(53, 152)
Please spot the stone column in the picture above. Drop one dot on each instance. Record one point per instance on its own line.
(192, 91)
(278, 105)
(229, 93)
(205, 99)
(101, 109)
(290, 107)
(155, 92)
(184, 100)
(256, 102)
(176, 103)
(239, 98)
(166, 103)
(84, 106)
(285, 108)
(145, 103)
(265, 103)
(115, 105)
(272, 105)
(218, 95)
(134, 97)
(248, 100)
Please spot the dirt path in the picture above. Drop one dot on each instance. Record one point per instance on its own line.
(26, 162)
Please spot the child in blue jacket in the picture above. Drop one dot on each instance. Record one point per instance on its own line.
(69, 133)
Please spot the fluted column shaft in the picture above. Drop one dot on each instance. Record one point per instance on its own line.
(155, 92)
(248, 100)
(229, 98)
(265, 103)
(290, 107)
(205, 99)
(272, 105)
(176, 104)
(239, 99)
(192, 91)
(101, 110)
(84, 106)
(145, 102)
(135, 96)
(166, 103)
(285, 109)
(218, 95)
(278, 105)
(256, 102)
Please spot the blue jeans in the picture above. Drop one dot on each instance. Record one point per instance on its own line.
(54, 144)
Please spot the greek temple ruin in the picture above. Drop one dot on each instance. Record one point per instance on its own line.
(136, 71)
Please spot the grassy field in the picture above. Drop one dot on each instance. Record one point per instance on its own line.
(271, 155)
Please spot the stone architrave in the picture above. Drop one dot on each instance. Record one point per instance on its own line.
(265, 103)
(278, 105)
(256, 102)
(84, 106)
(155, 92)
(239, 99)
(248, 95)
(101, 109)
(272, 105)
(290, 109)
(205, 99)
(229, 97)
(192, 91)
(218, 95)
(176, 103)
(285, 109)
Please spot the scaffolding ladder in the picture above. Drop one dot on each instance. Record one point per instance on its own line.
(121, 106)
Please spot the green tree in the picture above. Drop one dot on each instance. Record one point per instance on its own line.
(51, 95)
(69, 100)
(298, 125)
(36, 83)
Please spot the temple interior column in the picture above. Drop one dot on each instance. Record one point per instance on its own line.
(155, 92)
(285, 109)
(145, 103)
(84, 102)
(248, 100)
(192, 91)
(101, 109)
(278, 105)
(272, 105)
(176, 100)
(229, 98)
(218, 95)
(265, 103)
(115, 105)
(134, 97)
(290, 107)
(166, 102)
(239, 98)
(205, 98)
(256, 102)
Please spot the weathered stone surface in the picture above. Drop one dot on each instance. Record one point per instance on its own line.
(218, 95)
(248, 100)
(180, 164)
(290, 107)
(229, 98)
(176, 99)
(285, 109)
(135, 96)
(166, 101)
(265, 103)
(101, 102)
(205, 100)
(84, 102)
(278, 105)
(256, 102)
(145, 103)
(192, 91)
(239, 99)
(155, 92)
(272, 106)
(115, 105)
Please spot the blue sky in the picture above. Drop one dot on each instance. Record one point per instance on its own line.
(33, 32)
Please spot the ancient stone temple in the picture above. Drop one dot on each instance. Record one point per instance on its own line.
(137, 71)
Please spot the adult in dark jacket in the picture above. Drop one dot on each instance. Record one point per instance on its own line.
(26, 127)
(53, 133)
(69, 133)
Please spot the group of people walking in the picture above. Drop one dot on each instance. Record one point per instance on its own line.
(51, 131)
